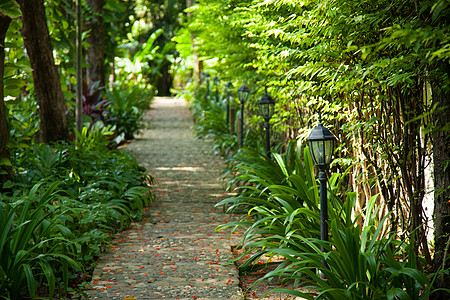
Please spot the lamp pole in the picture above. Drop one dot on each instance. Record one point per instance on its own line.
(243, 93)
(267, 128)
(228, 88)
(216, 84)
(323, 206)
(266, 108)
(321, 146)
(207, 76)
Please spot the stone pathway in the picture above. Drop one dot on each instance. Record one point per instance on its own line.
(176, 252)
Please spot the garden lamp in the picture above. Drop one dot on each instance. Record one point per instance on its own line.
(228, 88)
(321, 146)
(266, 108)
(243, 93)
(207, 76)
(216, 84)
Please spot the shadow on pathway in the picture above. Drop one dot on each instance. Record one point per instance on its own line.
(175, 253)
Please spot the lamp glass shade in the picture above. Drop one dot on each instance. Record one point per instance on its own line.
(321, 145)
(266, 110)
(321, 151)
(228, 88)
(266, 106)
(243, 93)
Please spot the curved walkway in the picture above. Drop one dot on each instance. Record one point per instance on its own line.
(176, 252)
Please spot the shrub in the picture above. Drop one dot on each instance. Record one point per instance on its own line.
(35, 247)
(282, 220)
(92, 192)
(127, 108)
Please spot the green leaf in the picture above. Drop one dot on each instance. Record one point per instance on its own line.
(5, 162)
(10, 8)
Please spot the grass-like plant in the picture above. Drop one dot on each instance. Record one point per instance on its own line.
(92, 193)
(361, 262)
(210, 123)
(126, 109)
(282, 221)
(279, 196)
(33, 243)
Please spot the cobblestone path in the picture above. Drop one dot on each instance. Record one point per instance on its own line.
(176, 252)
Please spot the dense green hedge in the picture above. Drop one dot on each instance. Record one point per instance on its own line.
(375, 69)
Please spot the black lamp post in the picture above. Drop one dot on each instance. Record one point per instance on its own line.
(266, 108)
(207, 76)
(243, 93)
(216, 84)
(321, 146)
(228, 88)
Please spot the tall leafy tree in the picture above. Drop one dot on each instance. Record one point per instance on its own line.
(53, 123)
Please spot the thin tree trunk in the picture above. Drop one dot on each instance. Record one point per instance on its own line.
(5, 169)
(441, 158)
(95, 56)
(53, 123)
(79, 70)
(164, 83)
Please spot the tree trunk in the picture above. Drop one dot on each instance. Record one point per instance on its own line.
(164, 83)
(5, 169)
(441, 158)
(53, 123)
(95, 56)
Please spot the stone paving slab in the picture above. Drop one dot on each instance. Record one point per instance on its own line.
(177, 252)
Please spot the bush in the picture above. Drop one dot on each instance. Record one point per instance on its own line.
(281, 198)
(210, 123)
(35, 246)
(127, 108)
(89, 192)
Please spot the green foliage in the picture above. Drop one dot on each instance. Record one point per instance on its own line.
(361, 263)
(94, 138)
(326, 56)
(35, 247)
(86, 200)
(282, 221)
(370, 67)
(143, 61)
(210, 122)
(127, 108)
(280, 197)
(17, 72)
(23, 122)
(10, 8)
(147, 53)
(118, 112)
